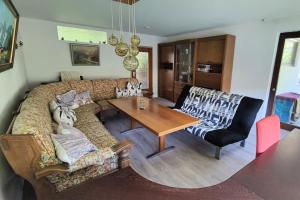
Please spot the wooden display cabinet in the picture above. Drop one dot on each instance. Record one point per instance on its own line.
(217, 53)
(166, 56)
(181, 63)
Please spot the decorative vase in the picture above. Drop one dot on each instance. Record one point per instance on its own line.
(130, 63)
(122, 48)
(113, 40)
(135, 40)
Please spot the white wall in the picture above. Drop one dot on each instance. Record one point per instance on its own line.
(46, 56)
(289, 77)
(255, 49)
(13, 84)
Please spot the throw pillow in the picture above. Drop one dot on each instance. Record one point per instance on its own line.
(65, 129)
(121, 92)
(71, 147)
(134, 89)
(66, 98)
(64, 115)
(53, 105)
(83, 98)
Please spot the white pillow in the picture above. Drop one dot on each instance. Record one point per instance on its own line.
(66, 98)
(71, 147)
(121, 92)
(134, 89)
(65, 129)
(53, 105)
(83, 98)
(64, 115)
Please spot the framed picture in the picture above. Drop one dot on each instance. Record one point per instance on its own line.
(85, 54)
(9, 20)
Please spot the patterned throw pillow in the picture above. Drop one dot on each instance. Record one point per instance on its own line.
(134, 89)
(66, 98)
(64, 115)
(71, 147)
(121, 92)
(83, 98)
(53, 105)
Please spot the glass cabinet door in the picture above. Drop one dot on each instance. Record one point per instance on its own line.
(184, 62)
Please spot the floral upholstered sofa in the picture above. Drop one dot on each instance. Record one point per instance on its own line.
(31, 153)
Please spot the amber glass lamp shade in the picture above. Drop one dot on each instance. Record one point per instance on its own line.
(135, 40)
(130, 63)
(134, 50)
(113, 40)
(122, 48)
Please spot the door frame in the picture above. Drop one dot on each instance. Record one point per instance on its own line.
(275, 77)
(149, 50)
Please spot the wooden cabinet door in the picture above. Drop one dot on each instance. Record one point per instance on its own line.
(211, 51)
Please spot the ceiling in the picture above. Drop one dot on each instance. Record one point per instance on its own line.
(161, 17)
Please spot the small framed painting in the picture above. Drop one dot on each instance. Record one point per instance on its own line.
(85, 55)
(9, 19)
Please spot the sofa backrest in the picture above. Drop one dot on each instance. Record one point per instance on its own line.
(245, 115)
(35, 117)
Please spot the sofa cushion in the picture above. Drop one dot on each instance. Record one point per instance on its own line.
(82, 86)
(67, 180)
(104, 89)
(58, 88)
(104, 105)
(92, 107)
(93, 158)
(85, 114)
(224, 137)
(98, 135)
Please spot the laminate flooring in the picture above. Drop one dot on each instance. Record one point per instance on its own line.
(190, 165)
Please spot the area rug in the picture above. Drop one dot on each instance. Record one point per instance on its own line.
(128, 185)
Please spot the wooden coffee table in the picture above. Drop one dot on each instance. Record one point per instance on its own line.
(159, 119)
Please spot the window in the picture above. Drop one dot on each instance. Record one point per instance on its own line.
(81, 35)
(290, 52)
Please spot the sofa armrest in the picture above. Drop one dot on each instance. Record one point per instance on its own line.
(122, 149)
(50, 170)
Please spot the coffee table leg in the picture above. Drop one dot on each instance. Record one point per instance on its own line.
(162, 148)
(133, 126)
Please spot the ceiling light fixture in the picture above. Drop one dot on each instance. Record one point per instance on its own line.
(122, 49)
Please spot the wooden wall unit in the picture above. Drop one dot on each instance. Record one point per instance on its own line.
(216, 52)
(166, 59)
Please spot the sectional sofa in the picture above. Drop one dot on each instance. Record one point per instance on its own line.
(29, 148)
